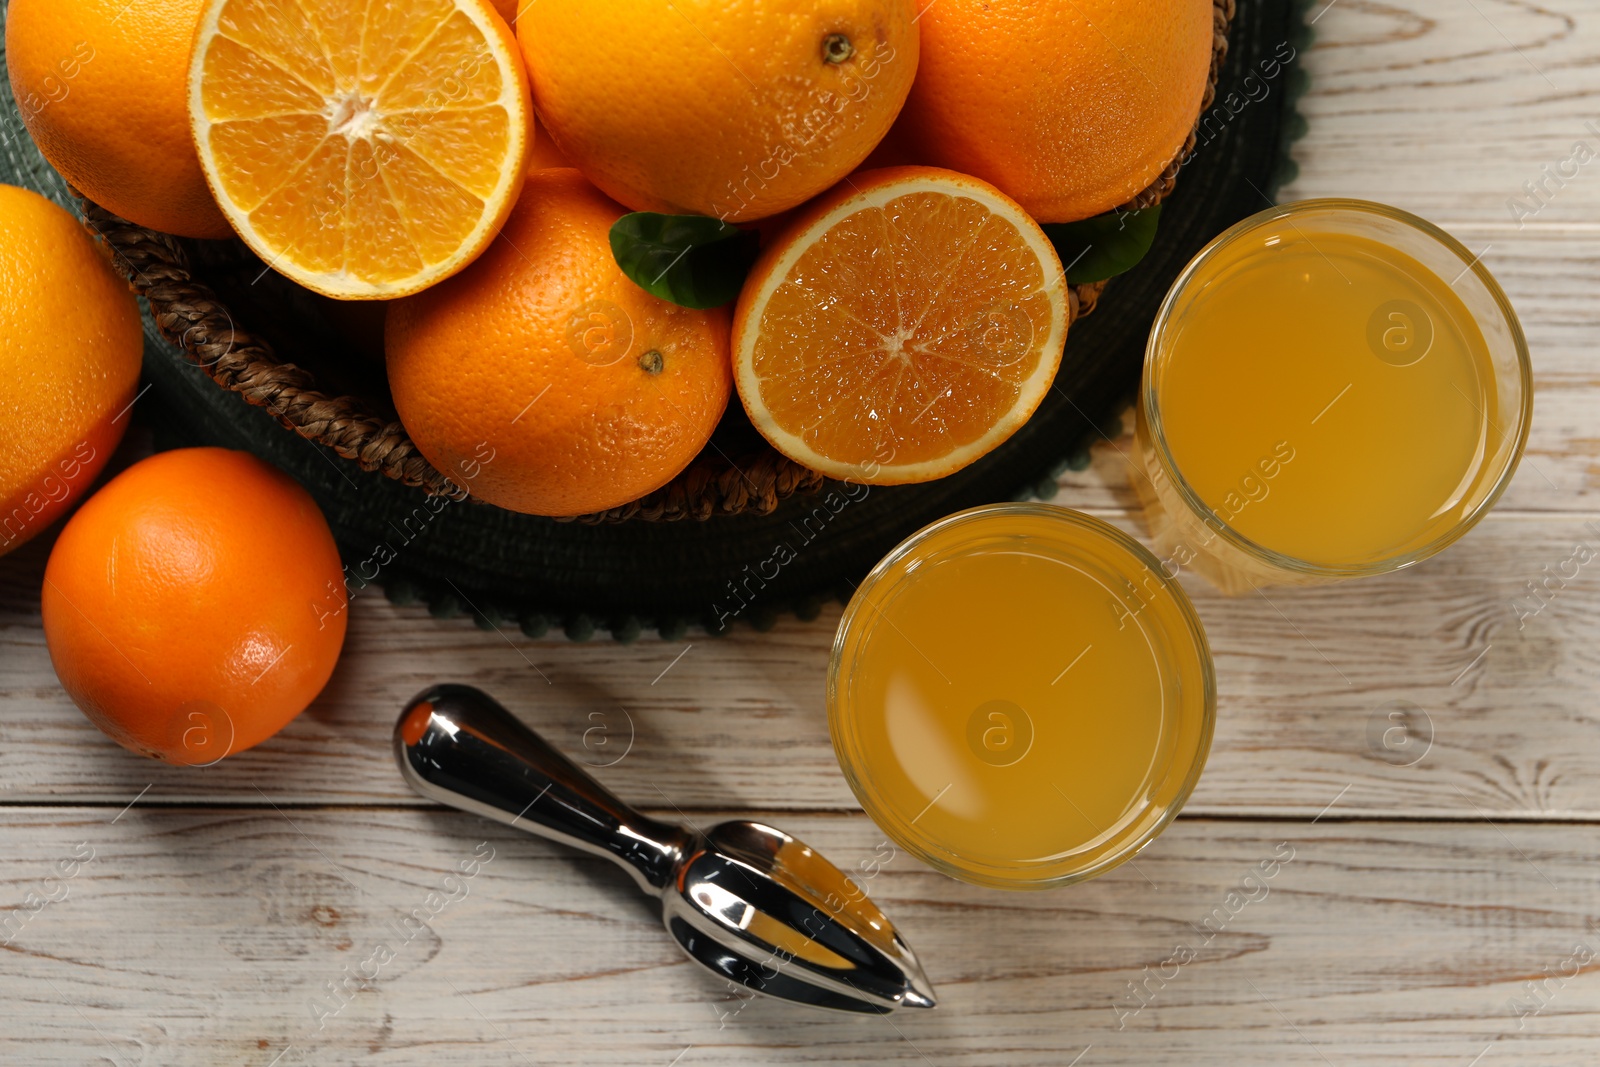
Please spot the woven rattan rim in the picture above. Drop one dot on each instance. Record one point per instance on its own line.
(189, 314)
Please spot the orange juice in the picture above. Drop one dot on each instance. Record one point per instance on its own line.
(1326, 400)
(1020, 697)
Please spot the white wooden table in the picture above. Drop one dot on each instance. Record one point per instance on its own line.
(1436, 872)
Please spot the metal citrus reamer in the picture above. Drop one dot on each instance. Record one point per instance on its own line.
(747, 901)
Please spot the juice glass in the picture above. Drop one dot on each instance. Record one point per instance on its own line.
(1020, 696)
(1332, 389)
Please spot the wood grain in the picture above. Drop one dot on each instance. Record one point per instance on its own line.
(1447, 109)
(199, 937)
(1307, 680)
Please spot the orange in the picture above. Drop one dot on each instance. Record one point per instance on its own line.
(100, 84)
(1069, 108)
(545, 381)
(906, 324)
(70, 343)
(739, 109)
(365, 157)
(195, 605)
(544, 154)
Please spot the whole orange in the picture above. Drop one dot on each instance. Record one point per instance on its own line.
(101, 85)
(195, 605)
(545, 381)
(70, 344)
(740, 109)
(1071, 109)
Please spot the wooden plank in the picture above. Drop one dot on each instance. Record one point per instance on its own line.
(1449, 109)
(1308, 681)
(201, 935)
(198, 937)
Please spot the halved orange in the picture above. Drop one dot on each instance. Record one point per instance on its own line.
(904, 325)
(365, 150)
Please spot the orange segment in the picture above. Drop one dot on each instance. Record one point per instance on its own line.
(396, 32)
(904, 326)
(437, 211)
(282, 35)
(245, 85)
(446, 71)
(366, 151)
(470, 143)
(339, 25)
(297, 136)
(380, 243)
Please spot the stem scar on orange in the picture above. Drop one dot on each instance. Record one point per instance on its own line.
(587, 392)
(738, 109)
(195, 605)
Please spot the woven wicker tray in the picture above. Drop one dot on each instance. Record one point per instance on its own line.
(779, 537)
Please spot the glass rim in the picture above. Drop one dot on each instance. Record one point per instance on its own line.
(996, 875)
(1149, 406)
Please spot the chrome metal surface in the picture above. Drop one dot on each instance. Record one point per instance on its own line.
(750, 903)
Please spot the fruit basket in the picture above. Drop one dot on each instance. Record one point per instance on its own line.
(284, 357)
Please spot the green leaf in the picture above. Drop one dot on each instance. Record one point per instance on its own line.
(1105, 246)
(692, 260)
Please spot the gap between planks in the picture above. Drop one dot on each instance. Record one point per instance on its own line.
(687, 813)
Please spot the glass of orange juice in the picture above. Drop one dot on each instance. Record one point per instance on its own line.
(1020, 696)
(1332, 389)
